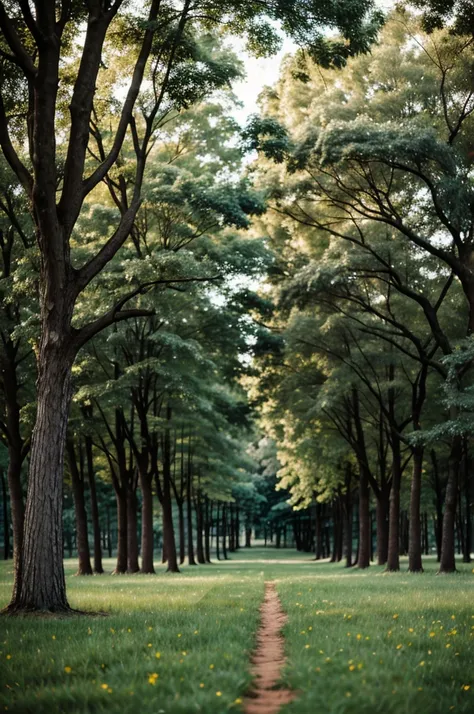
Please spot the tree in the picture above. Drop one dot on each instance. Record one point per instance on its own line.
(48, 70)
(395, 168)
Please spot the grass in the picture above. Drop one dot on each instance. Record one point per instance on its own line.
(178, 644)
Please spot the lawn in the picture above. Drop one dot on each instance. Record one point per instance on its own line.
(356, 641)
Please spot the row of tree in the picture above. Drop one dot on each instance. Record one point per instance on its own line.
(119, 193)
(371, 217)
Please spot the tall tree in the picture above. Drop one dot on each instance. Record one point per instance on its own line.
(49, 70)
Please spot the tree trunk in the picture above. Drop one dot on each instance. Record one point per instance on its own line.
(84, 566)
(393, 559)
(39, 578)
(319, 532)
(231, 529)
(363, 560)
(237, 528)
(382, 510)
(122, 533)
(448, 560)
(6, 527)
(17, 511)
(147, 547)
(199, 531)
(218, 555)
(207, 532)
(415, 564)
(224, 532)
(16, 454)
(132, 535)
(348, 516)
(168, 529)
(248, 537)
(109, 533)
(467, 493)
(182, 537)
(189, 518)
(98, 568)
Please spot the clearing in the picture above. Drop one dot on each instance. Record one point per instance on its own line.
(355, 641)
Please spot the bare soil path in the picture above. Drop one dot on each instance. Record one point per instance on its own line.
(268, 659)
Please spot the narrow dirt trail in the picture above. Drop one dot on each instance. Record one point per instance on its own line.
(268, 659)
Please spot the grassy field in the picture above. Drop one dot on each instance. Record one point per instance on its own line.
(356, 641)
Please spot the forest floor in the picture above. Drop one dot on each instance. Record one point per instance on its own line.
(356, 642)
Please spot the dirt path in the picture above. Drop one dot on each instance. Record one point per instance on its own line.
(268, 659)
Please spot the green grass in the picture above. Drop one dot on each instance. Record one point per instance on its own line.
(342, 641)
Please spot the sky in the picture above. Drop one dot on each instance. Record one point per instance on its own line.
(265, 71)
(261, 72)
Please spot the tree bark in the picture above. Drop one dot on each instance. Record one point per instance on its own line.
(199, 531)
(415, 564)
(39, 578)
(132, 536)
(98, 568)
(147, 547)
(393, 559)
(237, 528)
(6, 526)
(382, 511)
(224, 531)
(248, 537)
(348, 515)
(363, 560)
(467, 499)
(218, 554)
(84, 567)
(448, 559)
(182, 538)
(16, 454)
(122, 533)
(207, 532)
(168, 528)
(189, 517)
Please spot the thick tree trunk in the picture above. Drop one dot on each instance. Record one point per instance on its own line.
(147, 541)
(448, 561)
(98, 568)
(132, 534)
(83, 553)
(6, 525)
(122, 533)
(415, 564)
(39, 578)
